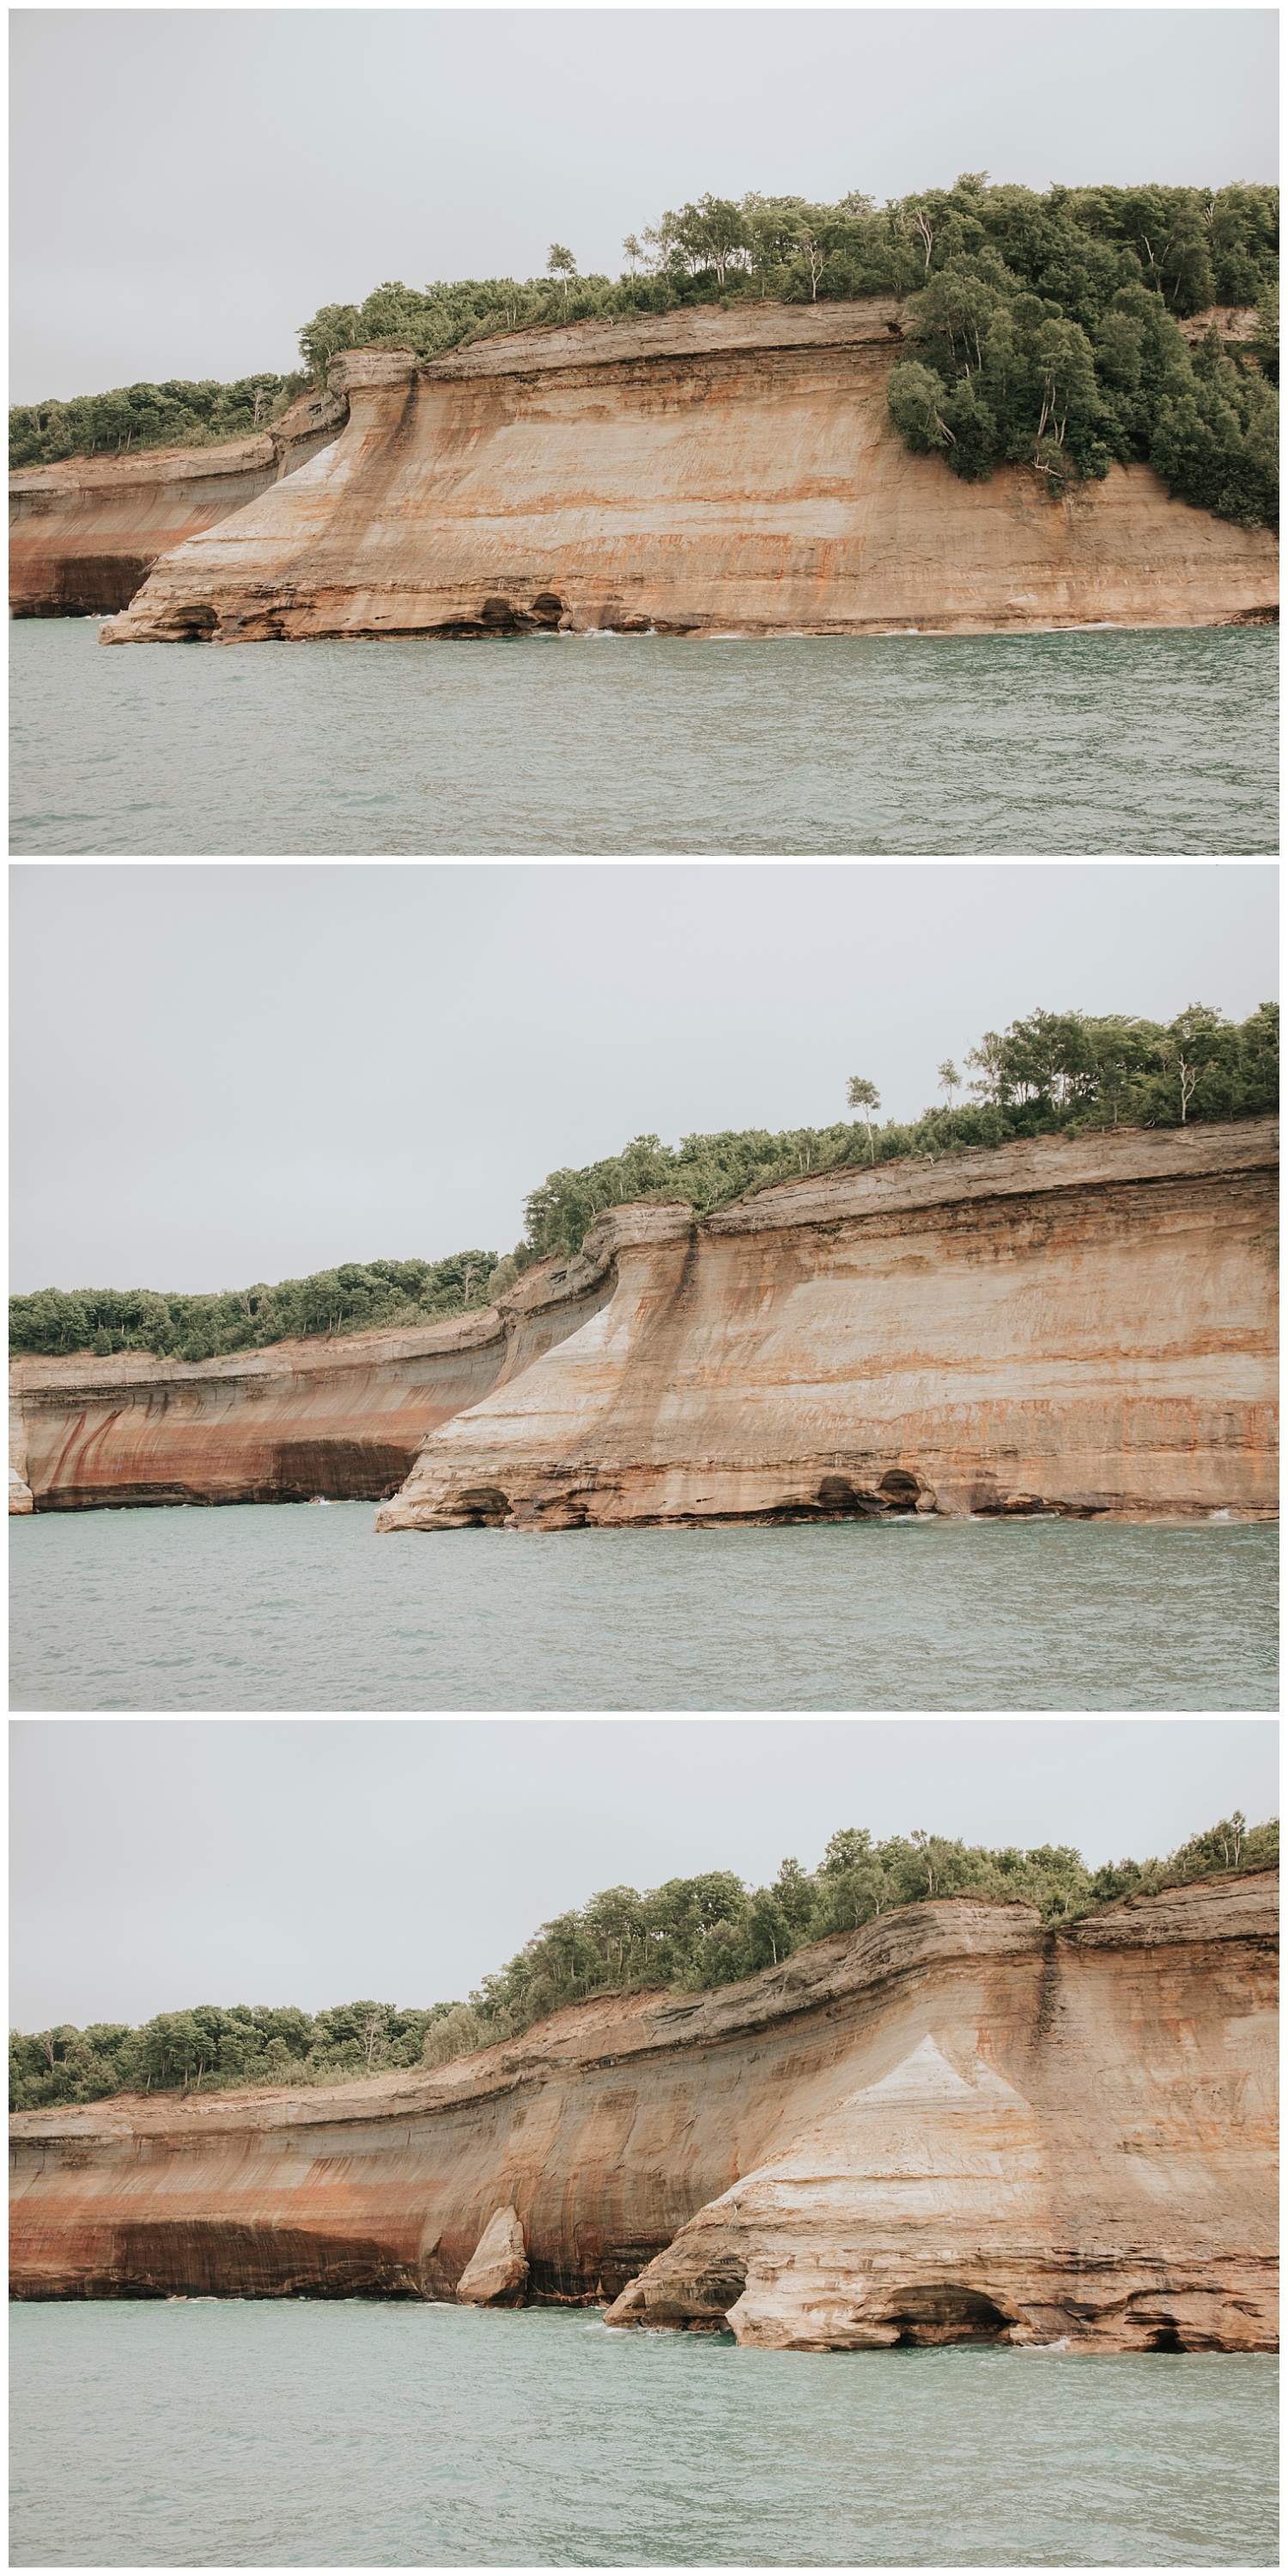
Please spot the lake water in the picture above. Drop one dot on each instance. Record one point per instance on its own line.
(280, 1606)
(312, 2434)
(1160, 742)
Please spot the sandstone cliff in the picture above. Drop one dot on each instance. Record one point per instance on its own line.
(1071, 1325)
(343, 1417)
(84, 535)
(700, 472)
(948, 2124)
(1084, 1326)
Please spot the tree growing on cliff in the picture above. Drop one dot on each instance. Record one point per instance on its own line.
(864, 1095)
(562, 266)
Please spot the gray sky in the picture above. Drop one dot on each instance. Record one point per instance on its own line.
(178, 1861)
(189, 185)
(228, 1074)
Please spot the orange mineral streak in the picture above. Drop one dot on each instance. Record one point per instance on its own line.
(701, 472)
(948, 2123)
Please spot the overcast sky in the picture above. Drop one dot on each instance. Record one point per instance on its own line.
(223, 1075)
(163, 1863)
(189, 185)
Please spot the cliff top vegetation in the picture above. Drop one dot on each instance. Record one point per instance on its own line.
(1054, 1073)
(1042, 329)
(692, 1934)
(134, 417)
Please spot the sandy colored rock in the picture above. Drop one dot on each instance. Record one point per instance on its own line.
(342, 1416)
(84, 535)
(698, 472)
(496, 2275)
(950, 2121)
(1073, 1325)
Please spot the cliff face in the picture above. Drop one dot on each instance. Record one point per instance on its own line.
(343, 1417)
(84, 535)
(1082, 1326)
(947, 2124)
(698, 472)
(1079, 1326)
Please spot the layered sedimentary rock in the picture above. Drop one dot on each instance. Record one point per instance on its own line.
(699, 472)
(84, 535)
(950, 2123)
(344, 1417)
(1083, 1326)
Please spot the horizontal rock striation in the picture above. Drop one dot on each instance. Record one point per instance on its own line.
(84, 535)
(343, 1417)
(949, 2124)
(1071, 1325)
(698, 472)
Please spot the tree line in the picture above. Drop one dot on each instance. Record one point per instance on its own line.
(350, 1299)
(134, 417)
(1041, 329)
(1056, 1072)
(690, 1935)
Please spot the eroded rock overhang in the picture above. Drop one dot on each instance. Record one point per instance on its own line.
(1076, 1326)
(951, 2124)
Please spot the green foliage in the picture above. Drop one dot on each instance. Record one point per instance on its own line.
(1045, 332)
(692, 1934)
(350, 1299)
(1043, 329)
(217, 2048)
(1056, 1071)
(134, 417)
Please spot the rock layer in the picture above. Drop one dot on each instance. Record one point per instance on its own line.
(699, 472)
(950, 2122)
(84, 535)
(1083, 1326)
(344, 1416)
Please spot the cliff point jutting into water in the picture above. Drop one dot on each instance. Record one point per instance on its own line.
(951, 2124)
(697, 472)
(1080, 1325)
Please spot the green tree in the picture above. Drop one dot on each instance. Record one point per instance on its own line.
(863, 1095)
(562, 266)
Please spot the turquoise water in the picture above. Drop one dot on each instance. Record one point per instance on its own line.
(312, 2434)
(1158, 742)
(279, 1606)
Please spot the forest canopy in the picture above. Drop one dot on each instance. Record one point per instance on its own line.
(134, 417)
(691, 1935)
(1056, 1072)
(1041, 330)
